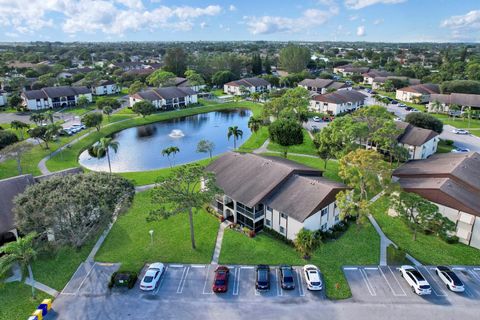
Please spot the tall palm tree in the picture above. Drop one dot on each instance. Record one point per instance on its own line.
(104, 146)
(236, 133)
(254, 124)
(167, 152)
(19, 252)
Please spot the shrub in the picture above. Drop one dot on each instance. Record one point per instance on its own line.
(7, 138)
(449, 142)
(450, 239)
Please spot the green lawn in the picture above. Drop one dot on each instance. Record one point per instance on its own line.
(69, 158)
(428, 249)
(458, 122)
(256, 140)
(129, 240)
(330, 172)
(443, 147)
(356, 246)
(78, 111)
(17, 302)
(307, 147)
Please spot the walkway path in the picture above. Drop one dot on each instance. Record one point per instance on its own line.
(264, 149)
(17, 277)
(218, 243)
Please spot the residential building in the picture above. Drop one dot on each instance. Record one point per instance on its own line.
(271, 192)
(442, 102)
(378, 82)
(322, 86)
(127, 66)
(369, 76)
(105, 87)
(250, 84)
(420, 143)
(3, 98)
(54, 97)
(337, 102)
(69, 73)
(185, 83)
(417, 93)
(168, 98)
(348, 70)
(450, 181)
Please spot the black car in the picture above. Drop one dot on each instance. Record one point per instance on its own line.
(286, 277)
(262, 280)
(394, 102)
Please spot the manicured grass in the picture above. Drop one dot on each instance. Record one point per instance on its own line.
(17, 302)
(307, 147)
(396, 257)
(255, 141)
(79, 111)
(462, 123)
(218, 92)
(69, 157)
(129, 240)
(56, 269)
(148, 177)
(126, 111)
(356, 246)
(443, 147)
(330, 172)
(428, 249)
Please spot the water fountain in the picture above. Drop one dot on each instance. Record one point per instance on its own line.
(176, 133)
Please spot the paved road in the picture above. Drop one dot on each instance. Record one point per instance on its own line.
(6, 117)
(185, 293)
(465, 141)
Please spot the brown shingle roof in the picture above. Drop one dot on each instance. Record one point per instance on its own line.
(322, 83)
(461, 99)
(414, 136)
(249, 82)
(341, 96)
(425, 88)
(9, 188)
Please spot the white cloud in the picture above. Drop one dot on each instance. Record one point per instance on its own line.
(353, 17)
(378, 21)
(203, 25)
(108, 16)
(232, 8)
(471, 20)
(276, 24)
(359, 4)
(361, 31)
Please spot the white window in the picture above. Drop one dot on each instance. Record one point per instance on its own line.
(283, 215)
(267, 222)
(282, 230)
(324, 227)
(324, 211)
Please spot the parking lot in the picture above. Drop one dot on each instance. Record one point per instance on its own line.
(384, 284)
(195, 282)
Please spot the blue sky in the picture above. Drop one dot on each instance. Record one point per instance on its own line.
(183, 20)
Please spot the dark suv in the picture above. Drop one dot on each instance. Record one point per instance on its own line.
(286, 277)
(262, 280)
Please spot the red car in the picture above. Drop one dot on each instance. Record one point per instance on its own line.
(220, 280)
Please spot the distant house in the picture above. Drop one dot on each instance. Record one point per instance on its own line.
(451, 182)
(421, 92)
(250, 84)
(54, 97)
(69, 73)
(168, 98)
(105, 87)
(369, 76)
(337, 102)
(127, 66)
(3, 98)
(378, 82)
(274, 193)
(185, 83)
(321, 86)
(420, 143)
(348, 70)
(462, 100)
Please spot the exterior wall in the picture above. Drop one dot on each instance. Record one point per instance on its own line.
(332, 108)
(409, 96)
(368, 80)
(424, 151)
(41, 104)
(3, 100)
(314, 89)
(235, 90)
(161, 103)
(468, 225)
(106, 90)
(377, 85)
(231, 90)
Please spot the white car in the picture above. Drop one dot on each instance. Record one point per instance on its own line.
(415, 280)
(460, 150)
(460, 131)
(316, 119)
(152, 276)
(450, 279)
(312, 277)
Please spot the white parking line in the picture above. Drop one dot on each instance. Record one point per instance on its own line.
(279, 290)
(236, 283)
(398, 282)
(300, 283)
(198, 266)
(457, 268)
(391, 288)
(474, 275)
(183, 279)
(83, 281)
(370, 288)
(206, 280)
(71, 280)
(371, 268)
(247, 267)
(350, 268)
(442, 293)
(477, 269)
(176, 266)
(161, 280)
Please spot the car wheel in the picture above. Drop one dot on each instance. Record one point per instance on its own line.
(413, 289)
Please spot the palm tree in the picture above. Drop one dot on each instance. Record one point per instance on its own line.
(255, 96)
(19, 252)
(236, 133)
(305, 242)
(436, 106)
(19, 125)
(254, 124)
(103, 147)
(170, 151)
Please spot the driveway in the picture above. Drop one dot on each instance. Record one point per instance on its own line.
(6, 117)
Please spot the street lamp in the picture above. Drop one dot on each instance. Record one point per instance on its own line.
(151, 236)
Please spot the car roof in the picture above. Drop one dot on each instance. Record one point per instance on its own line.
(156, 265)
(314, 276)
(443, 268)
(263, 267)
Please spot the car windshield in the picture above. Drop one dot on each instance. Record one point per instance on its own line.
(148, 279)
(455, 279)
(315, 283)
(424, 287)
(262, 276)
(288, 279)
(417, 275)
(219, 282)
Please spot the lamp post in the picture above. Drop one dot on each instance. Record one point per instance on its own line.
(151, 236)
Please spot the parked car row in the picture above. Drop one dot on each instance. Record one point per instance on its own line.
(324, 119)
(420, 285)
(73, 129)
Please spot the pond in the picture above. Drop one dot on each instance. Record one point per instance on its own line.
(140, 148)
